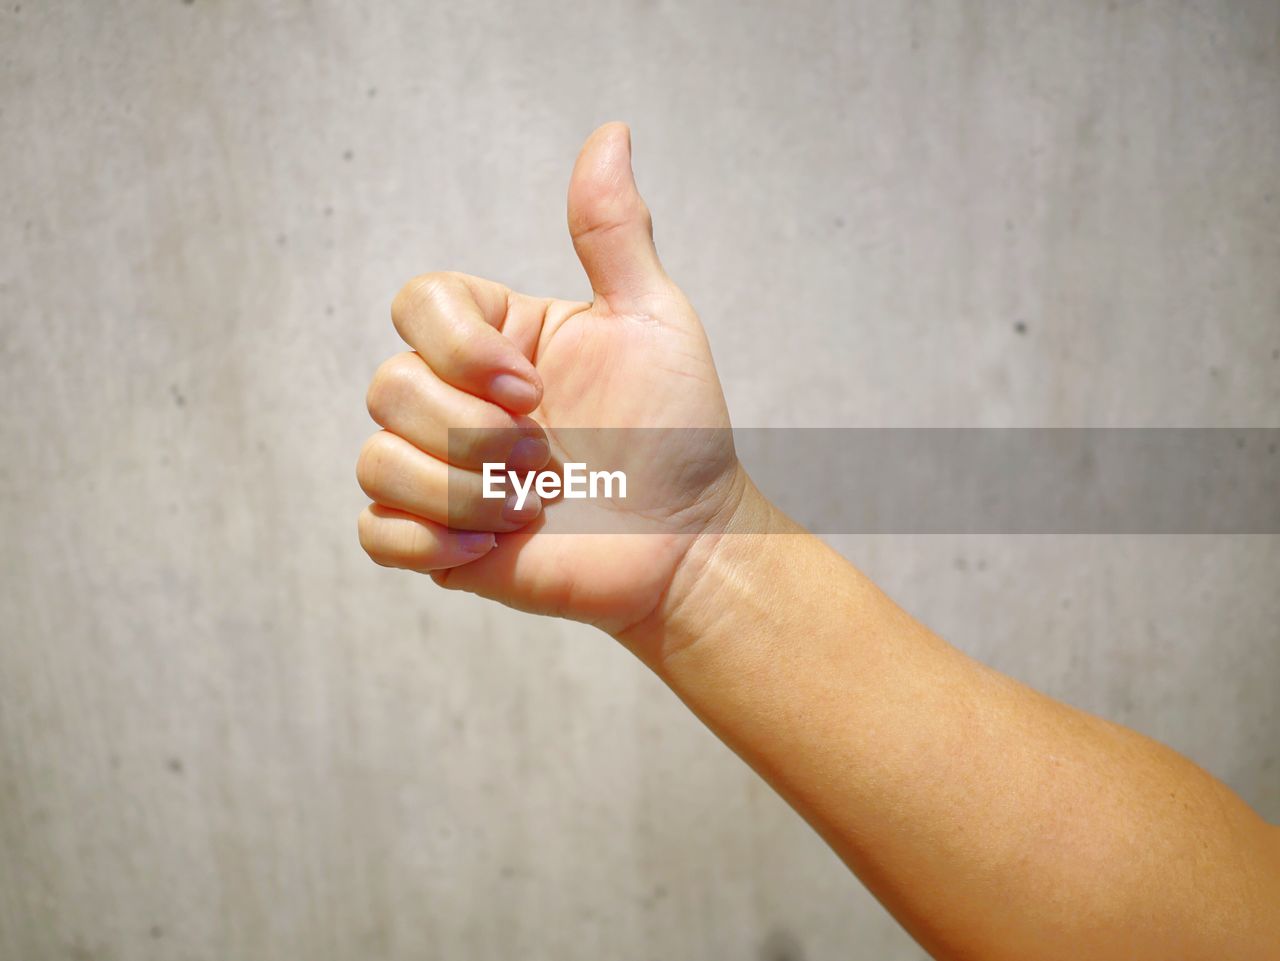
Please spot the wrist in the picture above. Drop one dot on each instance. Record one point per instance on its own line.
(723, 562)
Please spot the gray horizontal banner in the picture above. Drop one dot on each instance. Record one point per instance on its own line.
(910, 480)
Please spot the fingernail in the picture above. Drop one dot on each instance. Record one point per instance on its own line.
(475, 542)
(529, 453)
(514, 392)
(532, 505)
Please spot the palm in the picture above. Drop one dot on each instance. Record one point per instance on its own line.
(621, 391)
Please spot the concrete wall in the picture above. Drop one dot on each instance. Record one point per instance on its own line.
(225, 734)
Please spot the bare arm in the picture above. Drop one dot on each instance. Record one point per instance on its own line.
(995, 823)
(992, 821)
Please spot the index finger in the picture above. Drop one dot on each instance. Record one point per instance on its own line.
(454, 322)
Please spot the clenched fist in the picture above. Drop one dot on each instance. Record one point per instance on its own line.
(521, 373)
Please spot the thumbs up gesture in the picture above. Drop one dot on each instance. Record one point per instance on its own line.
(538, 382)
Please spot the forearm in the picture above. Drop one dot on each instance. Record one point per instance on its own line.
(992, 821)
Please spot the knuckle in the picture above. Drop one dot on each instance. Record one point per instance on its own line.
(471, 445)
(493, 441)
(392, 386)
(619, 216)
(372, 464)
(421, 293)
(457, 351)
(367, 529)
(417, 544)
(487, 436)
(395, 542)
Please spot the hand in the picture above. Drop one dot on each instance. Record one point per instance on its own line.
(521, 369)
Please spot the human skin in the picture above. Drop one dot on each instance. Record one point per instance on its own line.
(992, 821)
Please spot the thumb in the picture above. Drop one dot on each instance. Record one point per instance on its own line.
(610, 224)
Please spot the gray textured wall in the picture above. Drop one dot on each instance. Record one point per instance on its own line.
(225, 734)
